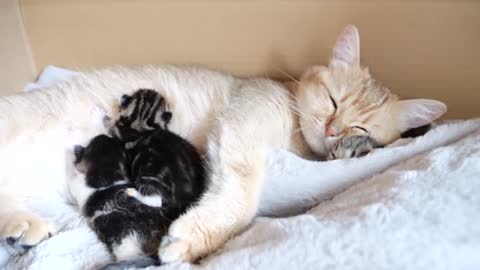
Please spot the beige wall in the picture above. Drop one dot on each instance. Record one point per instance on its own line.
(417, 48)
(16, 67)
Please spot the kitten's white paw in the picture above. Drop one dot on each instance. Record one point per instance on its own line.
(152, 200)
(24, 230)
(131, 192)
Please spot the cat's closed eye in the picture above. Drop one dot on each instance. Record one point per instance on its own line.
(361, 128)
(334, 104)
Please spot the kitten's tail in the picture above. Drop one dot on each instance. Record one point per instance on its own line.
(135, 263)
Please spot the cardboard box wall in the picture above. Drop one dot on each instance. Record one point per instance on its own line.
(428, 49)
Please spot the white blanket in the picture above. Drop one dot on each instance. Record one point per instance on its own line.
(418, 207)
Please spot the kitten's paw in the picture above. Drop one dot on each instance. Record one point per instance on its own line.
(131, 192)
(23, 231)
(352, 146)
(106, 120)
(108, 124)
(154, 200)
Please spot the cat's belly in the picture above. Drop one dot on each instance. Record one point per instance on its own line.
(35, 170)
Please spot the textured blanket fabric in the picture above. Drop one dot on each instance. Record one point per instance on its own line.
(422, 213)
(412, 205)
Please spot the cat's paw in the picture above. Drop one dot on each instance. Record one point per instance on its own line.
(185, 242)
(23, 231)
(176, 251)
(352, 146)
(193, 236)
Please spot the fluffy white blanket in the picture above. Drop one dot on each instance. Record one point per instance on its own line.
(412, 205)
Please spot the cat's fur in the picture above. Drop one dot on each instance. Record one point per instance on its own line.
(235, 121)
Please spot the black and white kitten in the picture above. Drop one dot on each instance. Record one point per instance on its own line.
(132, 194)
(128, 227)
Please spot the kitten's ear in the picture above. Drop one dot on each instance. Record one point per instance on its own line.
(347, 48)
(167, 116)
(124, 101)
(78, 152)
(418, 112)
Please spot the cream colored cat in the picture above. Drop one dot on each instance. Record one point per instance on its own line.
(235, 121)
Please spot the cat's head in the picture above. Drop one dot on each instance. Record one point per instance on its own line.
(342, 99)
(102, 161)
(143, 111)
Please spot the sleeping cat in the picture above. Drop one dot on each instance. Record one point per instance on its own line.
(131, 194)
(236, 121)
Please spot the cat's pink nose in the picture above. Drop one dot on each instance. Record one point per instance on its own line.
(330, 131)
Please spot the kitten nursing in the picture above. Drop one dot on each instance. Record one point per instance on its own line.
(139, 181)
(236, 121)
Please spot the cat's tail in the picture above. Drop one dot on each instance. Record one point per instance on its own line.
(135, 263)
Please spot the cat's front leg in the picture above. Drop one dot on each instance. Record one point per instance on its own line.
(22, 230)
(229, 203)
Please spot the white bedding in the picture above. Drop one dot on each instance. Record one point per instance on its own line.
(418, 207)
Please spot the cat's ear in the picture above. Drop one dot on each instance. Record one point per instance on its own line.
(78, 152)
(418, 112)
(347, 48)
(124, 101)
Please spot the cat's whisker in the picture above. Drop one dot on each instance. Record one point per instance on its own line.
(298, 111)
(318, 123)
(286, 74)
(301, 129)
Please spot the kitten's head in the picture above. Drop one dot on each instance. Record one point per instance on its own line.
(145, 110)
(342, 99)
(102, 161)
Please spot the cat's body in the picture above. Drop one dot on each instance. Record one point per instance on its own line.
(235, 121)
